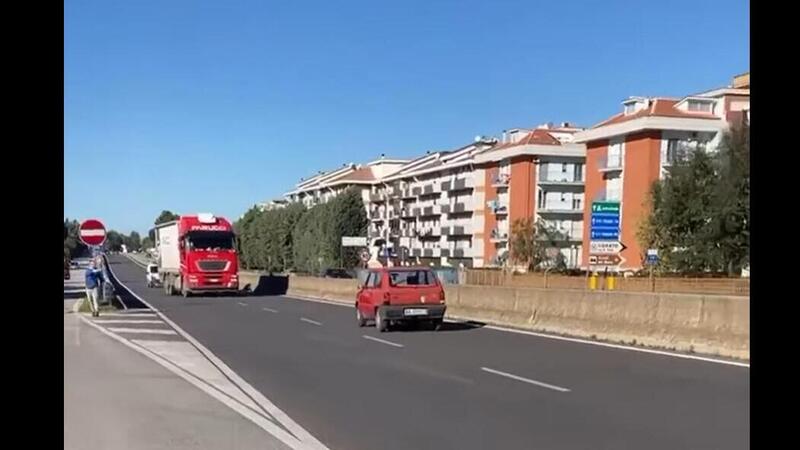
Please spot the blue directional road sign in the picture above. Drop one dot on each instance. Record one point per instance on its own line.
(605, 221)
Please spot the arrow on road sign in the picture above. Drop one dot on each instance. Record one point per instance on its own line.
(606, 260)
(606, 247)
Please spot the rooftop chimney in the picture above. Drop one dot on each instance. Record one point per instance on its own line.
(741, 81)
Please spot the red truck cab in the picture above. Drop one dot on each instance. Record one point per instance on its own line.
(392, 295)
(198, 254)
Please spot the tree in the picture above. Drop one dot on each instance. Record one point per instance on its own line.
(166, 216)
(699, 213)
(534, 245)
(114, 241)
(73, 247)
(133, 241)
(730, 219)
(294, 237)
(147, 243)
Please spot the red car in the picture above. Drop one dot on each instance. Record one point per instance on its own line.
(392, 295)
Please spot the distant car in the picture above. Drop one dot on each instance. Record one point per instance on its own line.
(400, 294)
(337, 273)
(153, 278)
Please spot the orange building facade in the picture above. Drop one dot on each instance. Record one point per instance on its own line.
(627, 153)
(537, 174)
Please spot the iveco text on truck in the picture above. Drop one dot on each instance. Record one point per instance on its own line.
(197, 254)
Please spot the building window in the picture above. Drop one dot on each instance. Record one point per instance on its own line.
(699, 106)
(630, 108)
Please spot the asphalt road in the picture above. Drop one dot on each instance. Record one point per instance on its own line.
(463, 387)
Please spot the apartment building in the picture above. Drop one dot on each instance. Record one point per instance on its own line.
(534, 173)
(629, 151)
(425, 212)
(326, 185)
(269, 205)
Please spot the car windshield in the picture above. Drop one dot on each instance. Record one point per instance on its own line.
(153, 269)
(210, 241)
(411, 278)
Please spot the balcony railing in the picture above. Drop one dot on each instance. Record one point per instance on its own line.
(498, 235)
(460, 230)
(461, 183)
(560, 209)
(497, 207)
(500, 180)
(610, 164)
(562, 179)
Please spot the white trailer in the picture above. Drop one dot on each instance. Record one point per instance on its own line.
(169, 258)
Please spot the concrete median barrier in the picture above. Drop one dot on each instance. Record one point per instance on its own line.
(333, 289)
(717, 325)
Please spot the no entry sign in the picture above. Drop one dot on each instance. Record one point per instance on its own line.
(92, 232)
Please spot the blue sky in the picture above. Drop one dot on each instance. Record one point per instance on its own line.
(199, 106)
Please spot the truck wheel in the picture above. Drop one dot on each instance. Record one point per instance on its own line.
(380, 323)
(360, 318)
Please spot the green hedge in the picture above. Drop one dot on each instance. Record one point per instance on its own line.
(300, 239)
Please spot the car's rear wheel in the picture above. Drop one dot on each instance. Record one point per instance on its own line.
(360, 318)
(380, 322)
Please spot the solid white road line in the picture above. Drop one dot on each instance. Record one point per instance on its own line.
(238, 406)
(241, 304)
(314, 322)
(620, 346)
(525, 380)
(127, 315)
(141, 330)
(307, 440)
(128, 321)
(270, 310)
(382, 341)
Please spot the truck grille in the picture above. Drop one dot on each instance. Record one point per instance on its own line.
(210, 265)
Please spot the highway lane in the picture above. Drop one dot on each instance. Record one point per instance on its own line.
(462, 388)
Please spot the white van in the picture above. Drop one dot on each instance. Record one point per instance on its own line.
(153, 279)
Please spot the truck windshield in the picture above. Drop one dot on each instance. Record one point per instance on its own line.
(221, 241)
(412, 278)
(153, 269)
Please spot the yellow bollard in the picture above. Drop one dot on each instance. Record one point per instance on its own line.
(593, 281)
(610, 282)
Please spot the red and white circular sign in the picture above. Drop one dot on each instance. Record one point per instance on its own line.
(92, 232)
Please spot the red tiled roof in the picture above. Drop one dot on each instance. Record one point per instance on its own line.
(360, 174)
(662, 107)
(539, 137)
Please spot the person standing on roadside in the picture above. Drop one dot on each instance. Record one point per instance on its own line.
(93, 279)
